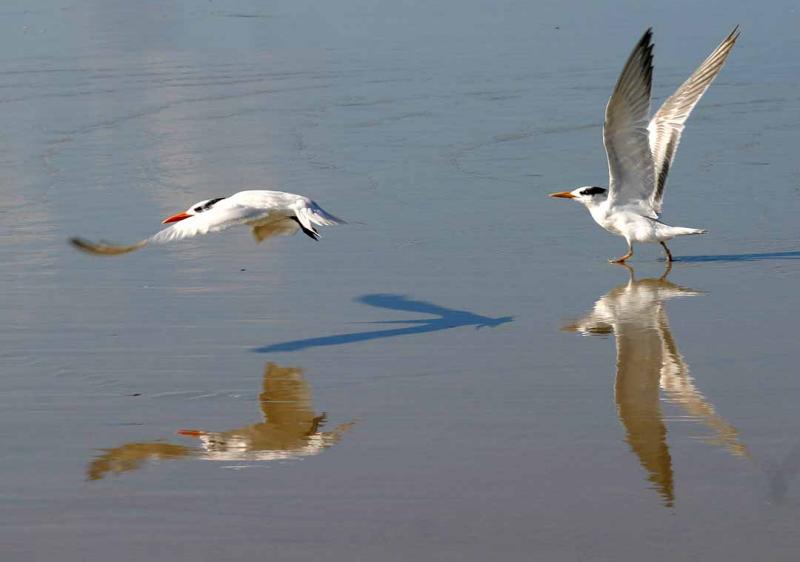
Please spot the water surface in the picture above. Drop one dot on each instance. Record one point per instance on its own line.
(433, 405)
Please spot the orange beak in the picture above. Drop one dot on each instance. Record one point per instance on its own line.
(563, 194)
(176, 218)
(191, 432)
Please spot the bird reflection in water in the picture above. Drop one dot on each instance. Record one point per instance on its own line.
(648, 363)
(290, 430)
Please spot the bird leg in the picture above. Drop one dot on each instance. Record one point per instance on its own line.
(625, 257)
(669, 254)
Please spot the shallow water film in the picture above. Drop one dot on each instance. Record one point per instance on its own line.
(456, 374)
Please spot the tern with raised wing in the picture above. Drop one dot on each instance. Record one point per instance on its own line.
(269, 213)
(641, 149)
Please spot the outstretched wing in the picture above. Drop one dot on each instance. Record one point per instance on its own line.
(667, 124)
(220, 217)
(625, 136)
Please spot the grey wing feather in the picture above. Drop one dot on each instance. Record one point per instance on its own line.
(625, 135)
(667, 124)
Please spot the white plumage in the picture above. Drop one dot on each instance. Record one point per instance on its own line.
(269, 213)
(641, 149)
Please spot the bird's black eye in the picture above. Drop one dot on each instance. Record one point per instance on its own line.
(593, 191)
(198, 209)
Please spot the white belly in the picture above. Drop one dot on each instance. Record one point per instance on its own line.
(631, 226)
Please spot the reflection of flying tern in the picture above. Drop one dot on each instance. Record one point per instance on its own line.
(648, 360)
(641, 149)
(270, 213)
(290, 430)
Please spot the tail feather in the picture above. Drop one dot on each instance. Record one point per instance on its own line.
(673, 231)
(312, 214)
(320, 216)
(692, 230)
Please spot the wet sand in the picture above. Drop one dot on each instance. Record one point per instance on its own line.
(415, 385)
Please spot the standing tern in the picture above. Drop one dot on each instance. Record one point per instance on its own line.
(270, 213)
(641, 149)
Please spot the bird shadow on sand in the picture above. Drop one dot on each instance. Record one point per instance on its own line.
(760, 256)
(442, 319)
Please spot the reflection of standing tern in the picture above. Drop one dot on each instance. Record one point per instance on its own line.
(648, 360)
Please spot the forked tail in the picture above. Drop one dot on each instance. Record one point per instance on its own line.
(320, 216)
(684, 230)
(312, 214)
(673, 231)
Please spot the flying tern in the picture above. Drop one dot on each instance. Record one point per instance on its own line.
(641, 149)
(269, 213)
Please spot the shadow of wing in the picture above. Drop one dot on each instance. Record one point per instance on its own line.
(401, 302)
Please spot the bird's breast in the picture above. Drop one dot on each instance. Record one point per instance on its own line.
(606, 219)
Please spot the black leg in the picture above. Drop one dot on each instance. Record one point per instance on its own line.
(669, 254)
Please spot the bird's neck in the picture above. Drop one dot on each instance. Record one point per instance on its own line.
(599, 211)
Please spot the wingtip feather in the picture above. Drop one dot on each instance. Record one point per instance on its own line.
(103, 248)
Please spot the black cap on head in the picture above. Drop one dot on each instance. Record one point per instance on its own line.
(594, 190)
